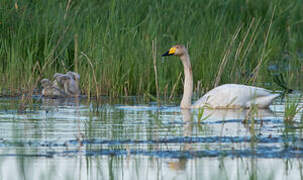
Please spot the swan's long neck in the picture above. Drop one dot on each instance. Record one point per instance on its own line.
(188, 82)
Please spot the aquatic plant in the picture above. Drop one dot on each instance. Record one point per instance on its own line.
(201, 114)
(250, 123)
(110, 43)
(292, 107)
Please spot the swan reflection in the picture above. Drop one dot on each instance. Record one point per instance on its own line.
(228, 114)
(180, 164)
(218, 117)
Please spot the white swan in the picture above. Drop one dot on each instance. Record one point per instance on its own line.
(224, 96)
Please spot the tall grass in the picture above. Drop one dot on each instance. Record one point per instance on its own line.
(110, 43)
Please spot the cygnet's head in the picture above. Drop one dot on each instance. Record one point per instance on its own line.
(73, 75)
(45, 83)
(177, 50)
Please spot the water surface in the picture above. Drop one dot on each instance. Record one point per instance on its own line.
(129, 138)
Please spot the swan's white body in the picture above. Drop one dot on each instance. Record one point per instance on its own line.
(236, 96)
(225, 96)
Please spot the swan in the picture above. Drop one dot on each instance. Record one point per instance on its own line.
(69, 82)
(51, 89)
(230, 96)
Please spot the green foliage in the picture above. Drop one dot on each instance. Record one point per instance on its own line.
(201, 115)
(292, 107)
(37, 39)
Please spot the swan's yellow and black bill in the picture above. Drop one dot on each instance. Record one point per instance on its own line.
(170, 52)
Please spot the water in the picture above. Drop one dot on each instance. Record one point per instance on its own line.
(132, 139)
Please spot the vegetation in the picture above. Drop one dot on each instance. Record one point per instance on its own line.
(291, 109)
(111, 44)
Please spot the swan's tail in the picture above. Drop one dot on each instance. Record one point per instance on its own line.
(280, 81)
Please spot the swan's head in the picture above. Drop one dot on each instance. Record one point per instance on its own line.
(177, 50)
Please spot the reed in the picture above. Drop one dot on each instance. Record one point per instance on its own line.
(292, 108)
(232, 41)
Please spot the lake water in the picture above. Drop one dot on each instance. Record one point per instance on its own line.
(131, 139)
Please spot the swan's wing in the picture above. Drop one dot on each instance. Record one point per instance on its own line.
(233, 96)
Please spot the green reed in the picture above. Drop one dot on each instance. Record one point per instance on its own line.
(292, 108)
(110, 43)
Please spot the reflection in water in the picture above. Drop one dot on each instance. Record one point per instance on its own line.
(180, 164)
(238, 122)
(66, 139)
(55, 102)
(236, 114)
